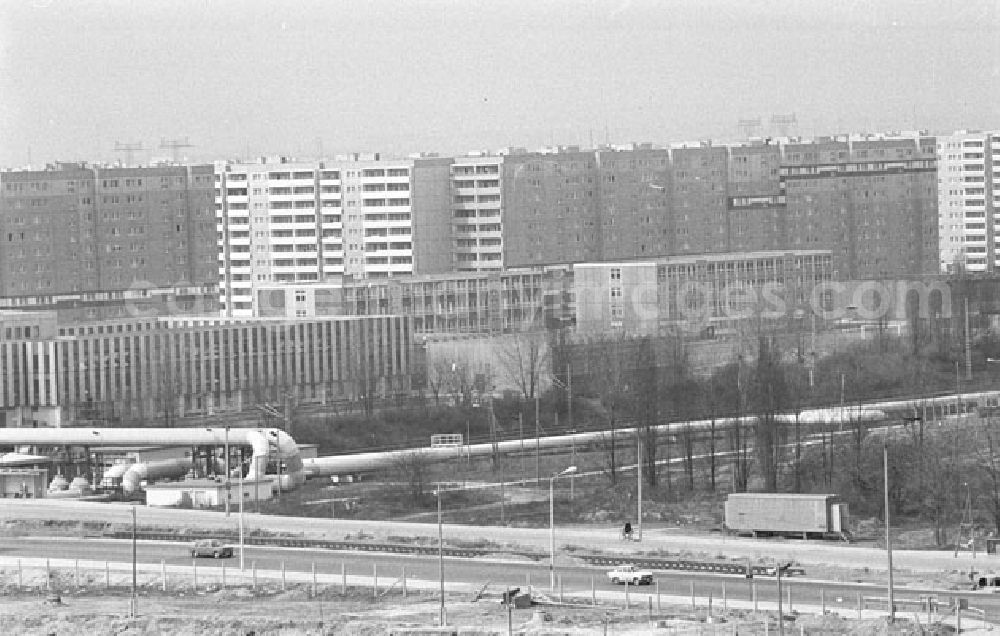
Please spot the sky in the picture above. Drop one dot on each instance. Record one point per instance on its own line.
(304, 78)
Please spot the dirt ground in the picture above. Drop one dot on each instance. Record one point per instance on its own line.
(232, 612)
(58, 606)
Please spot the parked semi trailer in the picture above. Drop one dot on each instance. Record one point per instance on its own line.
(787, 515)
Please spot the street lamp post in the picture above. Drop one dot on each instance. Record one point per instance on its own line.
(778, 569)
(552, 524)
(241, 509)
(135, 597)
(441, 616)
(229, 489)
(888, 535)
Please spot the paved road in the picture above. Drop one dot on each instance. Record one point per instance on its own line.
(575, 578)
(594, 536)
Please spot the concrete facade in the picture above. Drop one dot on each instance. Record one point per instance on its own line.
(968, 200)
(696, 294)
(286, 221)
(158, 369)
(456, 303)
(92, 242)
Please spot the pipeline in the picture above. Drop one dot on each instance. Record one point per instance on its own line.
(167, 468)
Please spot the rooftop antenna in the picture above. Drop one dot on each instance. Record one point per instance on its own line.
(749, 128)
(783, 125)
(128, 150)
(175, 145)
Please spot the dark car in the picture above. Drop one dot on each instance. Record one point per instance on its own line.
(211, 548)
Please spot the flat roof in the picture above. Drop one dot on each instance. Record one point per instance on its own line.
(205, 483)
(778, 495)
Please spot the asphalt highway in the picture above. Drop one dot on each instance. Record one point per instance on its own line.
(576, 579)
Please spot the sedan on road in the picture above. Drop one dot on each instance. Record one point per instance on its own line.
(211, 548)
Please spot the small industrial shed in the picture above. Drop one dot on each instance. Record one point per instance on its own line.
(23, 482)
(209, 493)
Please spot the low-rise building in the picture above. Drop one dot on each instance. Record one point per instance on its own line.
(695, 294)
(210, 493)
(157, 369)
(459, 303)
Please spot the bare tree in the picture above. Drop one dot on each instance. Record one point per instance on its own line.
(645, 399)
(607, 377)
(460, 380)
(768, 398)
(733, 380)
(523, 357)
(438, 378)
(411, 469)
(711, 406)
(989, 463)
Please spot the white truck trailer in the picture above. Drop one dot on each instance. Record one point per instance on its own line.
(818, 516)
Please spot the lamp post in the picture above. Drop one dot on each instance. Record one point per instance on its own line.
(552, 524)
(888, 536)
(135, 598)
(568, 388)
(229, 489)
(778, 569)
(441, 616)
(638, 474)
(241, 509)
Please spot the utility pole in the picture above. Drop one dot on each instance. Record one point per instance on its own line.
(520, 430)
(638, 473)
(499, 459)
(175, 145)
(569, 394)
(888, 535)
(538, 444)
(967, 523)
(129, 150)
(968, 343)
(749, 127)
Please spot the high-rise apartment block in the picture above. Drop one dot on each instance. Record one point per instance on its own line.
(283, 221)
(871, 200)
(95, 242)
(476, 231)
(550, 207)
(968, 200)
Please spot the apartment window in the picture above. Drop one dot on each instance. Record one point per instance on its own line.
(616, 273)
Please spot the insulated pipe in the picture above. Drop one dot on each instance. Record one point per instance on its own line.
(133, 477)
(274, 444)
(116, 472)
(367, 462)
(268, 443)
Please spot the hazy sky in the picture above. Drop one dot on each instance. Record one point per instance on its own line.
(284, 77)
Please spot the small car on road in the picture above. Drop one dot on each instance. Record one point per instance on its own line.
(211, 548)
(630, 575)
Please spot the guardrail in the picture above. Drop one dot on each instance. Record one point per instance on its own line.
(404, 548)
(280, 542)
(689, 566)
